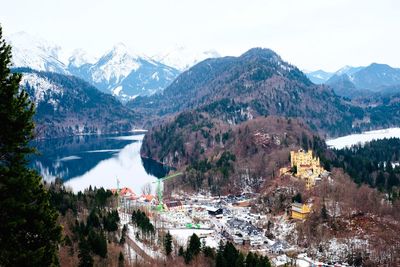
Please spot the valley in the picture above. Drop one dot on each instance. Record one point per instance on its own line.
(190, 157)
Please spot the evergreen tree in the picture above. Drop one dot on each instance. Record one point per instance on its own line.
(98, 243)
(29, 233)
(240, 260)
(123, 234)
(392, 180)
(380, 180)
(181, 251)
(298, 198)
(220, 260)
(194, 245)
(168, 244)
(250, 260)
(121, 260)
(324, 213)
(85, 259)
(230, 254)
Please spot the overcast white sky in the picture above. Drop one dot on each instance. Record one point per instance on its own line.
(311, 34)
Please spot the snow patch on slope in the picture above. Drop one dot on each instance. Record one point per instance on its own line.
(43, 89)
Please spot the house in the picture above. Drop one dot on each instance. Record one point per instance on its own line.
(256, 240)
(148, 198)
(125, 194)
(174, 205)
(300, 211)
(214, 211)
(238, 240)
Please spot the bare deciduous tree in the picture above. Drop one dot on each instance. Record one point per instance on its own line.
(146, 189)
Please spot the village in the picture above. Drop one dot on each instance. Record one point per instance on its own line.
(231, 217)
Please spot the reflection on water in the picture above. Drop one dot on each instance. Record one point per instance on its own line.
(154, 168)
(97, 161)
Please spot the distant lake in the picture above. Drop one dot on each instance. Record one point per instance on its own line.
(96, 160)
(349, 140)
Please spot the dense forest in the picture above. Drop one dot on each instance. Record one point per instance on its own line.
(375, 163)
(91, 226)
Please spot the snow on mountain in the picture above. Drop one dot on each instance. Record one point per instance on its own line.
(349, 70)
(36, 53)
(120, 72)
(80, 57)
(125, 74)
(182, 58)
(114, 65)
(319, 76)
(44, 90)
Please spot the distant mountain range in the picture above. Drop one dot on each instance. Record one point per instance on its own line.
(124, 74)
(67, 105)
(119, 72)
(375, 78)
(360, 81)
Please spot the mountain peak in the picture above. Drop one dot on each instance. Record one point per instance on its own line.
(35, 52)
(349, 70)
(80, 57)
(120, 48)
(182, 58)
(259, 51)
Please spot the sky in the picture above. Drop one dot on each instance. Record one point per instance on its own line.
(311, 34)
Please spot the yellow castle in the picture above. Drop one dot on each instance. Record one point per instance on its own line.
(304, 166)
(307, 167)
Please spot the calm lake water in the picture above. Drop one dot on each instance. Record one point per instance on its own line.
(97, 160)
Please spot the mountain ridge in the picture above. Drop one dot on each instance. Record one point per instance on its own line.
(67, 105)
(258, 80)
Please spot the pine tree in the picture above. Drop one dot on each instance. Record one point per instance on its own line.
(324, 213)
(29, 232)
(240, 260)
(121, 260)
(380, 180)
(250, 260)
(230, 254)
(85, 259)
(168, 244)
(181, 251)
(194, 245)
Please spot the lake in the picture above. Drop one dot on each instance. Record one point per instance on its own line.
(348, 140)
(97, 160)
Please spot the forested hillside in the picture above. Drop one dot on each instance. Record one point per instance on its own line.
(220, 156)
(66, 105)
(376, 163)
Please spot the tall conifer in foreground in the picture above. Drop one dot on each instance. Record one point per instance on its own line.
(29, 233)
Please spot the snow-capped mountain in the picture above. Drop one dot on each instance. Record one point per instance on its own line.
(182, 58)
(120, 71)
(355, 81)
(125, 74)
(80, 57)
(319, 76)
(36, 53)
(349, 70)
